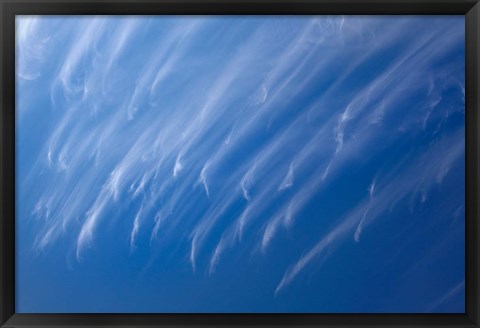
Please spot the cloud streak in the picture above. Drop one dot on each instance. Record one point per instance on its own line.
(221, 134)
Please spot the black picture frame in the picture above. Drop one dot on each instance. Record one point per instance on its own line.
(10, 8)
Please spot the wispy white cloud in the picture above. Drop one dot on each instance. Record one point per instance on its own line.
(457, 289)
(232, 126)
(421, 174)
(359, 229)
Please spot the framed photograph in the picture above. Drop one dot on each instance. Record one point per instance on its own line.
(224, 163)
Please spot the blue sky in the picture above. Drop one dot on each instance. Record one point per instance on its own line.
(303, 164)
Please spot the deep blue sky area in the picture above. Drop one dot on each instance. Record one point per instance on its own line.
(303, 164)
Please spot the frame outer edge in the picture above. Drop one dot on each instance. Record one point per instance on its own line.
(7, 164)
(2, 248)
(472, 103)
(3, 280)
(241, 7)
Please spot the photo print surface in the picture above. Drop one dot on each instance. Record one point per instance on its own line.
(240, 164)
